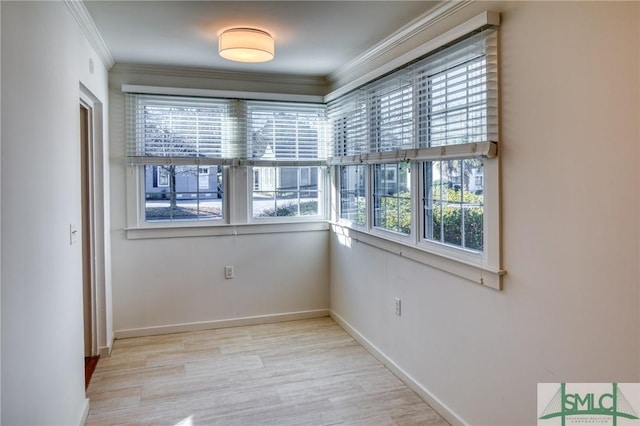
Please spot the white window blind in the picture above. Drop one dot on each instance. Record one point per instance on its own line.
(422, 110)
(390, 102)
(281, 134)
(457, 93)
(175, 130)
(349, 124)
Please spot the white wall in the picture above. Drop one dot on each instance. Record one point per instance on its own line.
(570, 307)
(170, 284)
(44, 59)
(181, 280)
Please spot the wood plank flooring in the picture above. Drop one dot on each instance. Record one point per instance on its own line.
(308, 372)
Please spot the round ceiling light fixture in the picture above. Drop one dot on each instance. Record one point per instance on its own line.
(246, 45)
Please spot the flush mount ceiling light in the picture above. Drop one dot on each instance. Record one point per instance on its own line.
(246, 45)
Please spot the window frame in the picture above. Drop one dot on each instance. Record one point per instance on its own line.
(322, 198)
(338, 200)
(385, 232)
(237, 186)
(444, 249)
(136, 203)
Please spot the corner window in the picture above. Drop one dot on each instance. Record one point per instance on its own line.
(435, 118)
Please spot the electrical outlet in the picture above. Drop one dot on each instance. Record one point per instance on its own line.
(398, 306)
(228, 272)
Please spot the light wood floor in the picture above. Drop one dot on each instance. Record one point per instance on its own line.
(308, 372)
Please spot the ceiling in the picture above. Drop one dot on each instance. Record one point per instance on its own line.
(313, 38)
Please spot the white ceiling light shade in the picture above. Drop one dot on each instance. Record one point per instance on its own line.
(246, 45)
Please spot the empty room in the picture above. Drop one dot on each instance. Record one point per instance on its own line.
(319, 212)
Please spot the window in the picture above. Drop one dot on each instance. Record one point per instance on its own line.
(286, 191)
(180, 150)
(453, 211)
(281, 138)
(392, 197)
(182, 197)
(435, 118)
(353, 206)
(169, 139)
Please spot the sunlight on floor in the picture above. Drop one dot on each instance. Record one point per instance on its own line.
(188, 421)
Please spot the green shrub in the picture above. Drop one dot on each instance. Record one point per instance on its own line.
(307, 208)
(451, 220)
(395, 212)
(395, 215)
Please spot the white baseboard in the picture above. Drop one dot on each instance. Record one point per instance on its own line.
(85, 412)
(208, 325)
(422, 392)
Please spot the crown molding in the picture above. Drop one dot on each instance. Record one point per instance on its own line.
(143, 69)
(88, 27)
(412, 29)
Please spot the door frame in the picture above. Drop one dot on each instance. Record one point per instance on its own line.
(87, 228)
(96, 180)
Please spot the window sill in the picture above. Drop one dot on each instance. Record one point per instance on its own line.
(479, 274)
(224, 230)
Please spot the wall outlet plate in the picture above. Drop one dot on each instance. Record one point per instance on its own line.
(228, 272)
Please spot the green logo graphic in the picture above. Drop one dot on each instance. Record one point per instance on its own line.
(612, 404)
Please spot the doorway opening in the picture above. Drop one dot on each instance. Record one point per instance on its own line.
(86, 231)
(97, 337)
